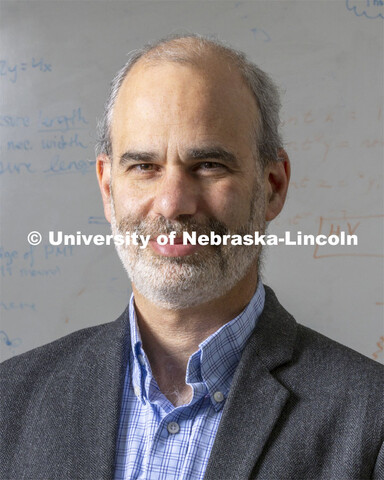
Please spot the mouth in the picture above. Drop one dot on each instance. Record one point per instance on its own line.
(176, 249)
(178, 240)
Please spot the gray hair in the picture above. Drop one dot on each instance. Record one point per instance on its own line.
(189, 49)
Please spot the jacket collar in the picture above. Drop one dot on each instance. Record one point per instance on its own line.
(256, 398)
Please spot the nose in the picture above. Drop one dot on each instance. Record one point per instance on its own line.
(177, 194)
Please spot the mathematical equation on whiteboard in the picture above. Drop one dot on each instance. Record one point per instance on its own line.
(12, 71)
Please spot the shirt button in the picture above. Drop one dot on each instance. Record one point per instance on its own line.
(141, 360)
(136, 389)
(173, 427)
(218, 396)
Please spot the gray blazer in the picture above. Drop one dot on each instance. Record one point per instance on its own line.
(301, 406)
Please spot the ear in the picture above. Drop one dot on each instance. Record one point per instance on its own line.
(103, 172)
(276, 178)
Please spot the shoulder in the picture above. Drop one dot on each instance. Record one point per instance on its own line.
(60, 356)
(339, 366)
(50, 395)
(317, 347)
(318, 363)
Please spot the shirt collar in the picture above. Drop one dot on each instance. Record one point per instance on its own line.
(218, 355)
(140, 365)
(211, 368)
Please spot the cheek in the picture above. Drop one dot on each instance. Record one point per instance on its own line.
(230, 204)
(129, 200)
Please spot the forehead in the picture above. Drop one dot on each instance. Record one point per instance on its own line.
(209, 96)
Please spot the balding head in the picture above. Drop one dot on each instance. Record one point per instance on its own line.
(210, 56)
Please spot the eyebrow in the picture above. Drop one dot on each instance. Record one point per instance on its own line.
(217, 153)
(134, 156)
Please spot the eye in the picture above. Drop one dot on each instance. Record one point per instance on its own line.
(145, 167)
(142, 168)
(211, 166)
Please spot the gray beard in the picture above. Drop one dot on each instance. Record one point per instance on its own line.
(183, 282)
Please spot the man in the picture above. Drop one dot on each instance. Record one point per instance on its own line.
(205, 375)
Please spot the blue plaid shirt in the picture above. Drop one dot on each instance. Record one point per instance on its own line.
(159, 441)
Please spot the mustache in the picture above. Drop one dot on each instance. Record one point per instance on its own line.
(163, 226)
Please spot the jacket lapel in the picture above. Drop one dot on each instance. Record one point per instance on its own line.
(256, 398)
(96, 393)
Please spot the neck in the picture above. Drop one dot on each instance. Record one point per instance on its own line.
(170, 337)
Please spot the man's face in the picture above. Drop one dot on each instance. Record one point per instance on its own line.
(184, 160)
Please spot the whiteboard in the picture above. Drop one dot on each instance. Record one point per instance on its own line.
(56, 62)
